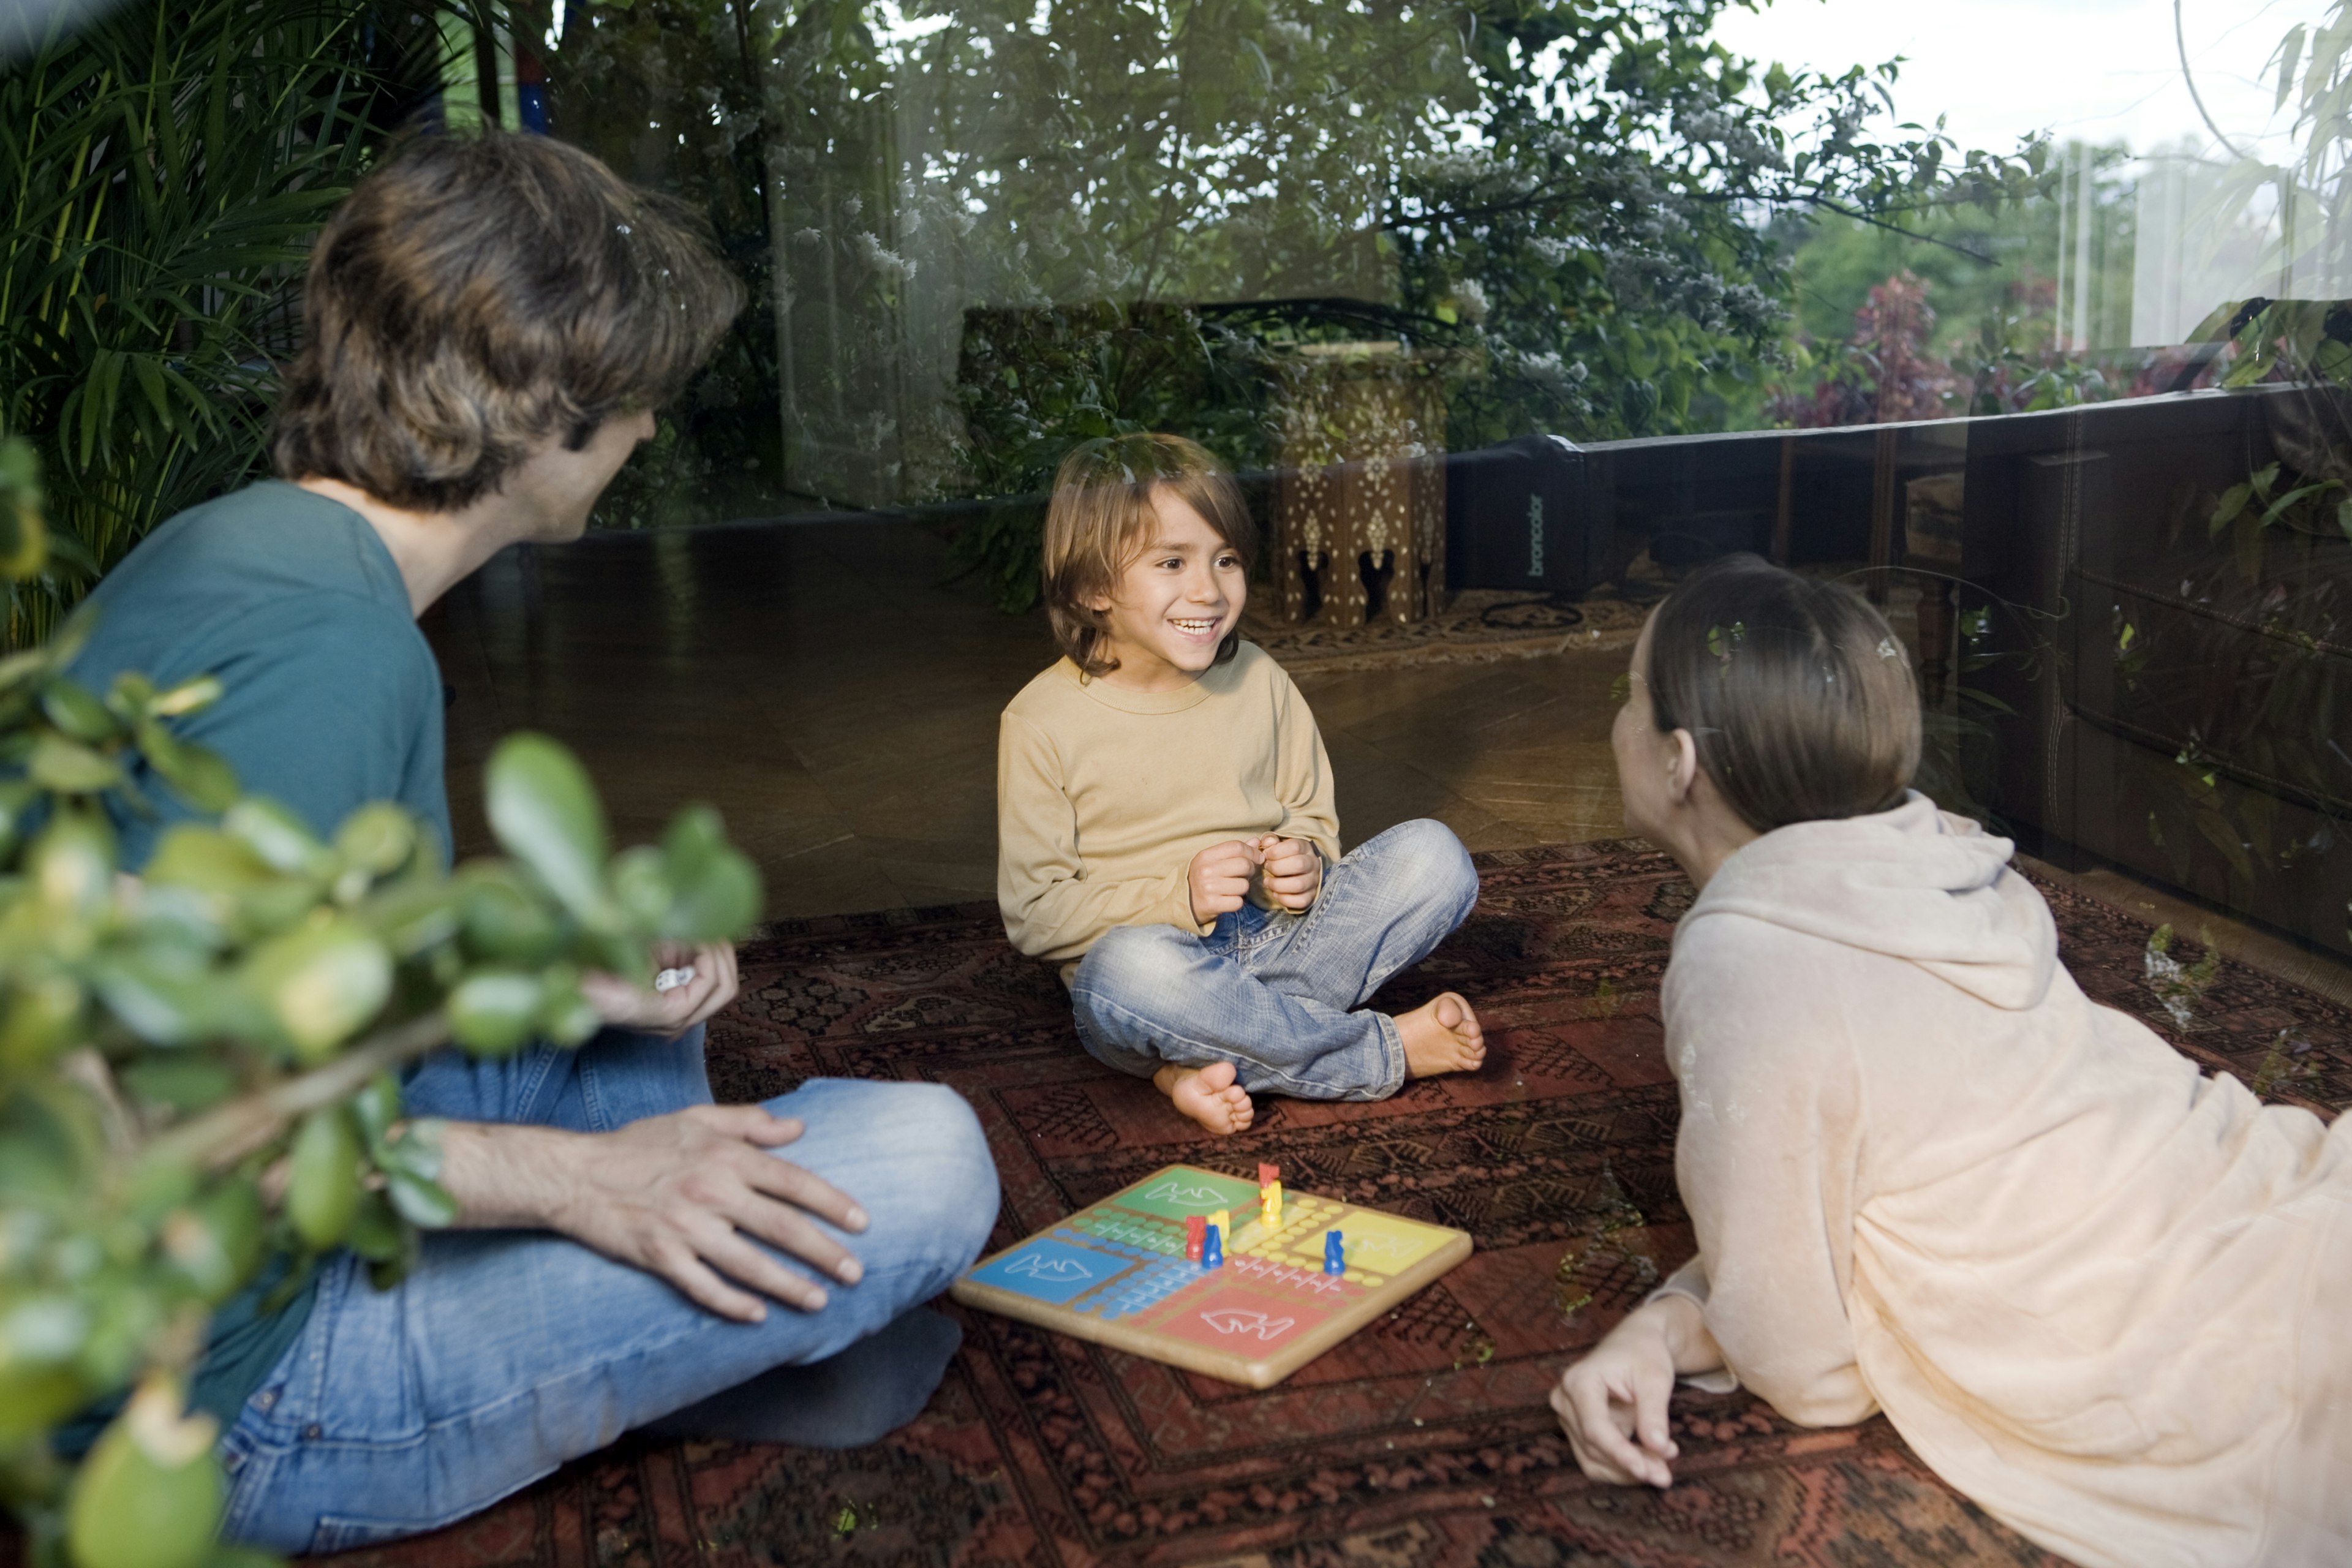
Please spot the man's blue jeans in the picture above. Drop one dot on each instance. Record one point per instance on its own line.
(1276, 994)
(507, 1353)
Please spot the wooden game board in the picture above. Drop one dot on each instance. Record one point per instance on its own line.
(1116, 1273)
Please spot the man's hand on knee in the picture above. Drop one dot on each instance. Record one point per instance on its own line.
(688, 1197)
(626, 1005)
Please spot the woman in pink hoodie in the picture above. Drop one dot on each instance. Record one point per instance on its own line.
(2107, 1297)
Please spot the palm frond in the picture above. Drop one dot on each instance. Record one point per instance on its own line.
(162, 174)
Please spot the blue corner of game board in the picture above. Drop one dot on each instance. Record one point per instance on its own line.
(1051, 1271)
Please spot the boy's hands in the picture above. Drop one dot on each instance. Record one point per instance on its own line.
(1294, 871)
(1220, 878)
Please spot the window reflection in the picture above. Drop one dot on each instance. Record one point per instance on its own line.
(1563, 305)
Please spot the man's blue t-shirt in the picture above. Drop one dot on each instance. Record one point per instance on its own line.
(332, 700)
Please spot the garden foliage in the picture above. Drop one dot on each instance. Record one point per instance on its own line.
(161, 172)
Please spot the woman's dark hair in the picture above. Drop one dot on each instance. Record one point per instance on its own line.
(478, 295)
(1796, 692)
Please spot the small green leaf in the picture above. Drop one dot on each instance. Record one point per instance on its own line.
(546, 815)
(188, 696)
(504, 923)
(236, 890)
(16, 798)
(2233, 501)
(492, 1011)
(421, 1202)
(377, 1107)
(320, 982)
(718, 904)
(641, 887)
(283, 841)
(197, 774)
(322, 1181)
(76, 714)
(40, 1017)
(163, 1002)
(377, 1233)
(568, 1019)
(218, 1241)
(68, 767)
(149, 1493)
(2279, 507)
(71, 865)
(184, 1083)
(378, 838)
(414, 916)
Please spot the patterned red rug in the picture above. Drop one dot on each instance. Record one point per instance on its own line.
(1423, 1442)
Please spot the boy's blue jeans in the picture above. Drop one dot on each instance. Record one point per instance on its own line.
(1276, 994)
(507, 1353)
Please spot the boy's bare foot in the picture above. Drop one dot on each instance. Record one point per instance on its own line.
(1441, 1035)
(1207, 1095)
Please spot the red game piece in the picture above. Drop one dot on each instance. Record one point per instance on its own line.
(1196, 1231)
(1267, 1174)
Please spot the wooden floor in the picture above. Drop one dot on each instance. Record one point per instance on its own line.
(835, 697)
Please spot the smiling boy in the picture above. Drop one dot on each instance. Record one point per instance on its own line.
(1165, 823)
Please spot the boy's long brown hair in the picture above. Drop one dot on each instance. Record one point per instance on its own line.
(1100, 518)
(479, 294)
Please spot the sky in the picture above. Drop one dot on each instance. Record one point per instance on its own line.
(2104, 70)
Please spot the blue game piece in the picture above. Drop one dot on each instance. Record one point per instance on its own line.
(1213, 1251)
(1335, 1253)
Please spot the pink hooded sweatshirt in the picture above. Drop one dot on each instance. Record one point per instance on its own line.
(2107, 1297)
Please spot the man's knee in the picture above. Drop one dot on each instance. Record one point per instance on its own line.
(947, 1189)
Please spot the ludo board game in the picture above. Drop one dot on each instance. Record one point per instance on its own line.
(1217, 1274)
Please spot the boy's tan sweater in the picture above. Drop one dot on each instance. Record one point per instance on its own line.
(1104, 796)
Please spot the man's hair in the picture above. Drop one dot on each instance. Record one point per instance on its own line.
(478, 295)
(1100, 519)
(1796, 693)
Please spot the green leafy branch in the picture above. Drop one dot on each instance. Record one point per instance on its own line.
(2262, 501)
(199, 1065)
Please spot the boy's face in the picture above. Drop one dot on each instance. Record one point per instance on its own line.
(1176, 601)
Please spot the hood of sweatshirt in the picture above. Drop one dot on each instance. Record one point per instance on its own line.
(1913, 883)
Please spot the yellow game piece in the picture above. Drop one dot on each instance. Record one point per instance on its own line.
(1224, 1220)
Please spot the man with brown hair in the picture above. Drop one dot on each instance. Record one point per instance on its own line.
(490, 322)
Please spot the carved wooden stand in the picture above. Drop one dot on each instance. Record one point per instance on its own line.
(1362, 486)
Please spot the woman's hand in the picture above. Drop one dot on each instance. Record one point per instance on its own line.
(1612, 1404)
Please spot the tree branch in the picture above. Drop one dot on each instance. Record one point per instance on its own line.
(226, 1133)
(2180, 42)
